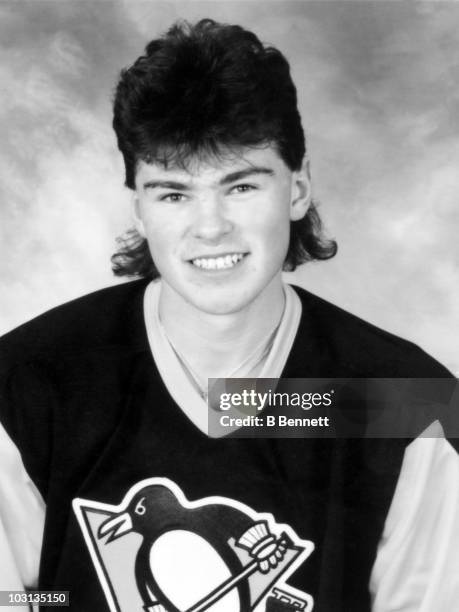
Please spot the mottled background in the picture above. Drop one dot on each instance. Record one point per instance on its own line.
(378, 87)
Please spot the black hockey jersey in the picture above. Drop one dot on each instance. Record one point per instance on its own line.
(83, 401)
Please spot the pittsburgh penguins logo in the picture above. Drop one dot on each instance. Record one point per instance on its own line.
(158, 552)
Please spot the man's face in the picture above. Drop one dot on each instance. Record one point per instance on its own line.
(219, 230)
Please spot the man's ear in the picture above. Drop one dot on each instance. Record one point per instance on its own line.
(138, 223)
(301, 192)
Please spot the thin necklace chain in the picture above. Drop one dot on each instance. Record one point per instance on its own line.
(245, 368)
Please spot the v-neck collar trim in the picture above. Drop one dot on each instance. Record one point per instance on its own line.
(184, 393)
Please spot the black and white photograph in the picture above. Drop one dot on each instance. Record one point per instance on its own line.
(230, 195)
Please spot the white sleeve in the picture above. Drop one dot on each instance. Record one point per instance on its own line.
(417, 564)
(22, 515)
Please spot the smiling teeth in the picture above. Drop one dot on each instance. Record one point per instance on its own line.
(217, 263)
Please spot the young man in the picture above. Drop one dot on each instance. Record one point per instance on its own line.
(104, 398)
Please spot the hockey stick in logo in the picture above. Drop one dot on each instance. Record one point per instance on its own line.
(229, 584)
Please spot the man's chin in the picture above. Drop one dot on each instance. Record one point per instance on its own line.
(221, 301)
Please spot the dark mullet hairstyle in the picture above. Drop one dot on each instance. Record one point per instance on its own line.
(203, 90)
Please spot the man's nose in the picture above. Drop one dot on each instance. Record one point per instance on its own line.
(210, 220)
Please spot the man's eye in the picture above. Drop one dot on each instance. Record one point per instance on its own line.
(172, 197)
(242, 188)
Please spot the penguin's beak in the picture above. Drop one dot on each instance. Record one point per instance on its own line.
(115, 527)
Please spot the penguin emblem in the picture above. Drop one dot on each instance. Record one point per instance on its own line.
(159, 552)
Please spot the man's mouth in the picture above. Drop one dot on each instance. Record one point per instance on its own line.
(222, 262)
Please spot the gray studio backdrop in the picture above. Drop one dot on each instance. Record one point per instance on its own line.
(378, 89)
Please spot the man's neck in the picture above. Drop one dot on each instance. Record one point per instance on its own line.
(216, 344)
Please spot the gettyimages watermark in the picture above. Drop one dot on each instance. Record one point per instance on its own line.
(333, 407)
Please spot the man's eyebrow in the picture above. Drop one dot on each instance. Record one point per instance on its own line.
(227, 179)
(242, 174)
(166, 185)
